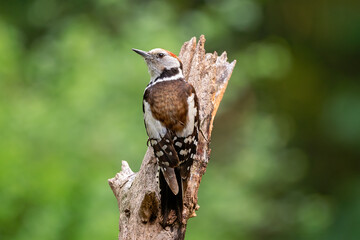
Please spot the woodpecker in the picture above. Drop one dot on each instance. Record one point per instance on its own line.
(171, 116)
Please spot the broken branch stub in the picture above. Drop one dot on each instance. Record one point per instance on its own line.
(138, 194)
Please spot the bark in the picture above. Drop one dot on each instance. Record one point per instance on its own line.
(138, 194)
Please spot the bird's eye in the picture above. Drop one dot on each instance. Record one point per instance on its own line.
(161, 55)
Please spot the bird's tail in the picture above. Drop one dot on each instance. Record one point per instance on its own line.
(170, 201)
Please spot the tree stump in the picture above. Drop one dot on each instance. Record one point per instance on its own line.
(138, 194)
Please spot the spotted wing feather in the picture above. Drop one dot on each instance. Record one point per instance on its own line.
(186, 146)
(167, 159)
(186, 150)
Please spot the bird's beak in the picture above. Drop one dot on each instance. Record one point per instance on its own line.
(142, 53)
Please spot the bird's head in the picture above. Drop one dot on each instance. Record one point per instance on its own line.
(161, 63)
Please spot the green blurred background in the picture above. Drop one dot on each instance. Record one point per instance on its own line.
(286, 142)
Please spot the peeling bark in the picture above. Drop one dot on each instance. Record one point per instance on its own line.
(137, 194)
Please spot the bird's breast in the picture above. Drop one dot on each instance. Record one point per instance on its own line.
(169, 103)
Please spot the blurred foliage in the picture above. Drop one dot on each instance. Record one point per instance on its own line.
(285, 149)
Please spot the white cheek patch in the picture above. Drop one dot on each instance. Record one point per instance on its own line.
(192, 112)
(154, 128)
(171, 62)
